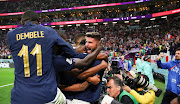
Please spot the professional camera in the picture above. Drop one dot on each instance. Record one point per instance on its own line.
(105, 99)
(142, 81)
(116, 65)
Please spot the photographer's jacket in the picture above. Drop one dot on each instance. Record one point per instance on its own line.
(173, 76)
(138, 65)
(148, 71)
(147, 98)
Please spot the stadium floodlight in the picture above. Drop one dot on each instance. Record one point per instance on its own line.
(87, 24)
(3, 29)
(61, 25)
(152, 19)
(95, 23)
(114, 22)
(136, 20)
(164, 17)
(69, 25)
(126, 21)
(53, 26)
(105, 23)
(77, 24)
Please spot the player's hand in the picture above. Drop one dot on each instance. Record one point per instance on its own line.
(104, 64)
(94, 80)
(99, 45)
(127, 88)
(161, 55)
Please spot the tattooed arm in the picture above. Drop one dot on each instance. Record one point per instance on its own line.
(81, 86)
(75, 87)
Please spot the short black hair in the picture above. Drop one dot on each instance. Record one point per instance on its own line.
(95, 35)
(77, 37)
(30, 16)
(117, 80)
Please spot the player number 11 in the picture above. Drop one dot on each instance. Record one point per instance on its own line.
(36, 51)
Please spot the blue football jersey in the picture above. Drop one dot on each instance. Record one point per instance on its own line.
(31, 49)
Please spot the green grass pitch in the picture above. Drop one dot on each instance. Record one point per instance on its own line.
(7, 77)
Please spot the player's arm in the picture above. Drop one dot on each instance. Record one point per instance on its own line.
(79, 63)
(61, 44)
(81, 86)
(75, 87)
(102, 56)
(91, 71)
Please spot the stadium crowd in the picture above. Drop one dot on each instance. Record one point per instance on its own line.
(101, 14)
(4, 50)
(23, 5)
(122, 37)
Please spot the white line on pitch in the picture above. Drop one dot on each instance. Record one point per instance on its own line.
(7, 85)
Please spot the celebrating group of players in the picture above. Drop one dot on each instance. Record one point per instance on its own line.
(46, 62)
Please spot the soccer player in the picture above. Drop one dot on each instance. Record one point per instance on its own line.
(31, 48)
(92, 93)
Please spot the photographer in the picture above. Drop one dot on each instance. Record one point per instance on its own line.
(147, 68)
(138, 63)
(115, 90)
(147, 98)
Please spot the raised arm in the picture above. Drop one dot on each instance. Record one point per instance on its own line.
(159, 64)
(91, 71)
(81, 86)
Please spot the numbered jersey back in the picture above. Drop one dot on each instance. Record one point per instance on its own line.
(31, 48)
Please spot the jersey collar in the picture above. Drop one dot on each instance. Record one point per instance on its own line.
(28, 23)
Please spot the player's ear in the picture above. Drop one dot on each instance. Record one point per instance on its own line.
(22, 22)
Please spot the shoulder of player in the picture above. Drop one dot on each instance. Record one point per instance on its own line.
(14, 31)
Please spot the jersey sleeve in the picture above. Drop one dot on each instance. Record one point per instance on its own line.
(67, 49)
(8, 39)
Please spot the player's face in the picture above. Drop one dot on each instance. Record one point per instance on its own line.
(177, 55)
(112, 89)
(91, 44)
